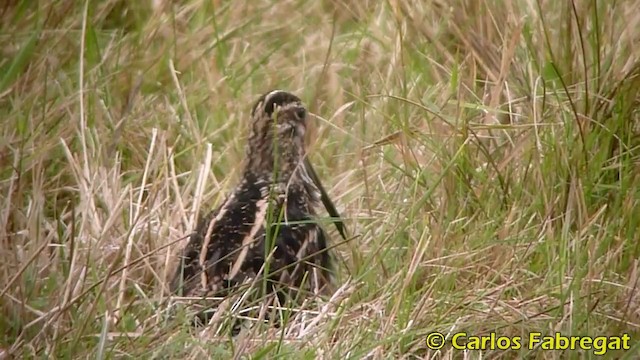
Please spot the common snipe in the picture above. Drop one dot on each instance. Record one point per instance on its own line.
(271, 214)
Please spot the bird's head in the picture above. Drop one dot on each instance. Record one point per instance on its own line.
(276, 143)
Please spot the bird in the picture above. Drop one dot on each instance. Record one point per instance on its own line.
(267, 227)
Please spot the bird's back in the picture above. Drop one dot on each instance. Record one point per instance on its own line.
(230, 245)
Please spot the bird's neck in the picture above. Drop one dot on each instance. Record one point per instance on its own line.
(274, 173)
(291, 180)
(275, 165)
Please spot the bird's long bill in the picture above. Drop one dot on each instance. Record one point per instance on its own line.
(326, 201)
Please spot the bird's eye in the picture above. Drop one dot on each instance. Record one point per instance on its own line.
(300, 113)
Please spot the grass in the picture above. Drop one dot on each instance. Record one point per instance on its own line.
(484, 153)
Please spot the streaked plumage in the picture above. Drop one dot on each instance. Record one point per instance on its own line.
(279, 191)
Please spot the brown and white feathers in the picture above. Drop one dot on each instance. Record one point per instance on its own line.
(271, 214)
